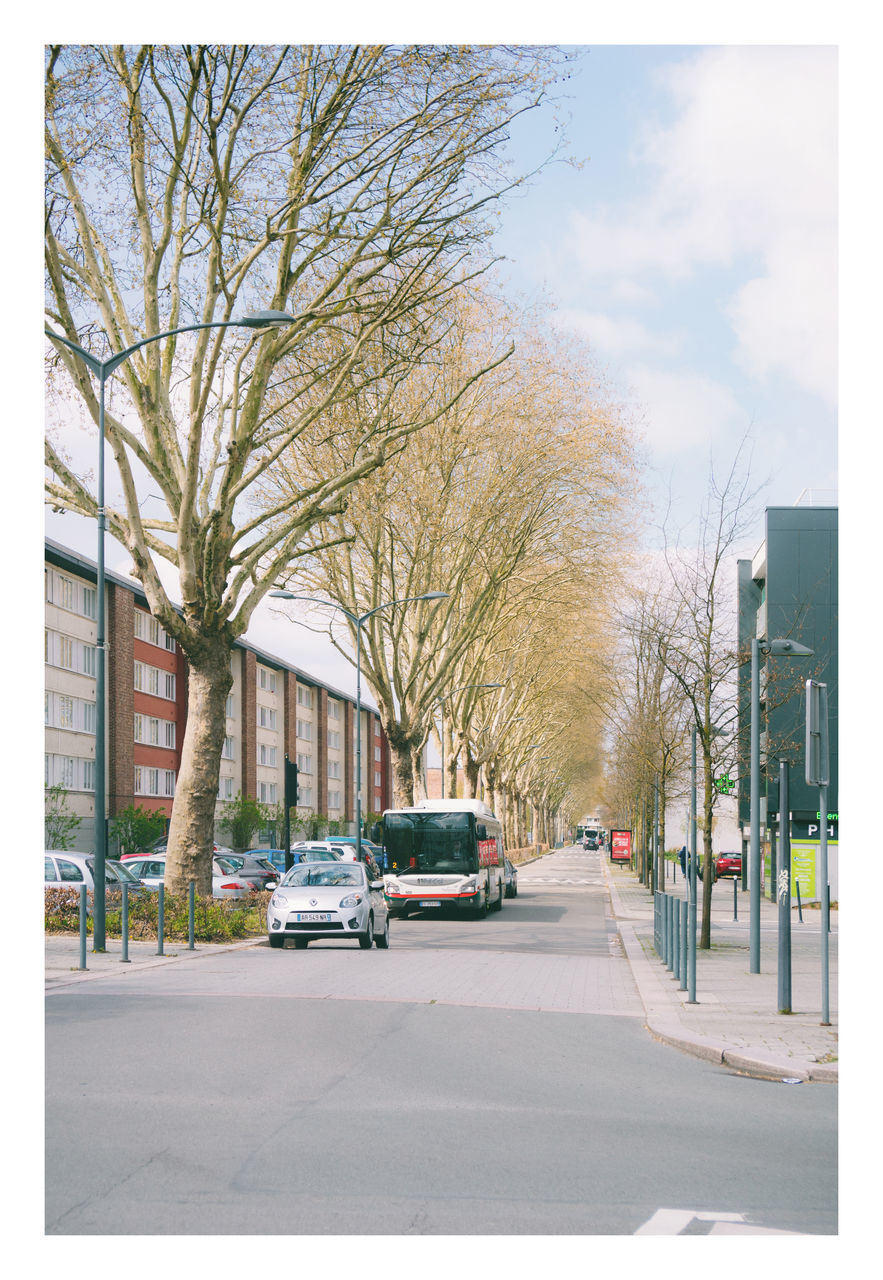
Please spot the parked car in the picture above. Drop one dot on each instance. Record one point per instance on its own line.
(259, 872)
(226, 880)
(276, 857)
(728, 864)
(69, 870)
(368, 846)
(328, 900)
(510, 879)
(344, 848)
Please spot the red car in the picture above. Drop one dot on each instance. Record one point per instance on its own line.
(728, 864)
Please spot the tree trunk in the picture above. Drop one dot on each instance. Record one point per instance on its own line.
(191, 831)
(471, 776)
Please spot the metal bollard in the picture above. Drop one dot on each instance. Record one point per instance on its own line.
(190, 922)
(669, 922)
(735, 899)
(83, 925)
(160, 919)
(676, 938)
(656, 927)
(683, 915)
(125, 959)
(799, 906)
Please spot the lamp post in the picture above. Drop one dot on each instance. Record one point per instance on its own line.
(774, 648)
(102, 369)
(357, 621)
(441, 703)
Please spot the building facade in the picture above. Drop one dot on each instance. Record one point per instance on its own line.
(274, 710)
(790, 590)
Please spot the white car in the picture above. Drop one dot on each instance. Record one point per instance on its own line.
(328, 900)
(346, 853)
(151, 870)
(69, 870)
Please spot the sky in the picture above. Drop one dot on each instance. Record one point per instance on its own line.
(694, 249)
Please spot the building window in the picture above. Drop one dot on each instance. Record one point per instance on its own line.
(225, 790)
(267, 679)
(377, 755)
(304, 762)
(305, 730)
(267, 792)
(154, 782)
(266, 717)
(155, 681)
(333, 799)
(378, 781)
(333, 709)
(266, 755)
(333, 740)
(228, 707)
(305, 797)
(148, 629)
(90, 602)
(333, 768)
(304, 696)
(228, 749)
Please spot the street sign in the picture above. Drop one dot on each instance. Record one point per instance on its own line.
(725, 784)
(816, 734)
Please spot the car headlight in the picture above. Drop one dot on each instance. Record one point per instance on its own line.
(352, 901)
(392, 885)
(469, 886)
(278, 900)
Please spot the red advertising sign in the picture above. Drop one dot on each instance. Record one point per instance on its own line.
(620, 846)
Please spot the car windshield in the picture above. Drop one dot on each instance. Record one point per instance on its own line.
(342, 873)
(430, 842)
(121, 872)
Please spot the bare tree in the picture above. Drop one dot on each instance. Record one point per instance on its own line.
(186, 185)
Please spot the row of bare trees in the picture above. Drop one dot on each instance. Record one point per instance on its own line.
(385, 441)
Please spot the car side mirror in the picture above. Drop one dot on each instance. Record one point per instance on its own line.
(271, 884)
(375, 884)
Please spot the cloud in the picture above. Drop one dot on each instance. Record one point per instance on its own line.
(616, 336)
(742, 177)
(684, 410)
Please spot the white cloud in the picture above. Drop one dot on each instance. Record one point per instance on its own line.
(684, 410)
(743, 177)
(616, 335)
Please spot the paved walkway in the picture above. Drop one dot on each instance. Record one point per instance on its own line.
(735, 1019)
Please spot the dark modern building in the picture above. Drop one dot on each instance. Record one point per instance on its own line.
(789, 590)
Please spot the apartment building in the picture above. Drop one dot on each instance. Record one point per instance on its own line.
(273, 710)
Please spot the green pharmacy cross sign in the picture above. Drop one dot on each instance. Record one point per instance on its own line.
(725, 784)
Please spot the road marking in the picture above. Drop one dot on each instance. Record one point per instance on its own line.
(671, 1222)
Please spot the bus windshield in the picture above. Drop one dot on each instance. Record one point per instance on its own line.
(442, 842)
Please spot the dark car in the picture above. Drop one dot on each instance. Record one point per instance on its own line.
(254, 868)
(510, 879)
(728, 864)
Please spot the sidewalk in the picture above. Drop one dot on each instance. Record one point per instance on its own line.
(735, 1019)
(62, 957)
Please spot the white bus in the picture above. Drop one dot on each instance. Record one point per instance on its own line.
(443, 853)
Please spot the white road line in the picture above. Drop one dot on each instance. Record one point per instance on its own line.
(671, 1222)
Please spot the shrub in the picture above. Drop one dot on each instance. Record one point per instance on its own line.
(214, 919)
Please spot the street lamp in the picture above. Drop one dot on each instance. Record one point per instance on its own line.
(357, 621)
(441, 703)
(102, 369)
(776, 649)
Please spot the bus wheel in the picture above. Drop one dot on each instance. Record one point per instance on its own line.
(498, 905)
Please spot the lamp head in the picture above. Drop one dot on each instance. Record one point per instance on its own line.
(266, 320)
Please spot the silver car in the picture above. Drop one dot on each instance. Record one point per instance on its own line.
(226, 883)
(328, 900)
(69, 870)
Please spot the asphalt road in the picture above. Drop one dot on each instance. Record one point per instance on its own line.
(480, 1078)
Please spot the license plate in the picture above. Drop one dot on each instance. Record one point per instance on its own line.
(430, 904)
(313, 917)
